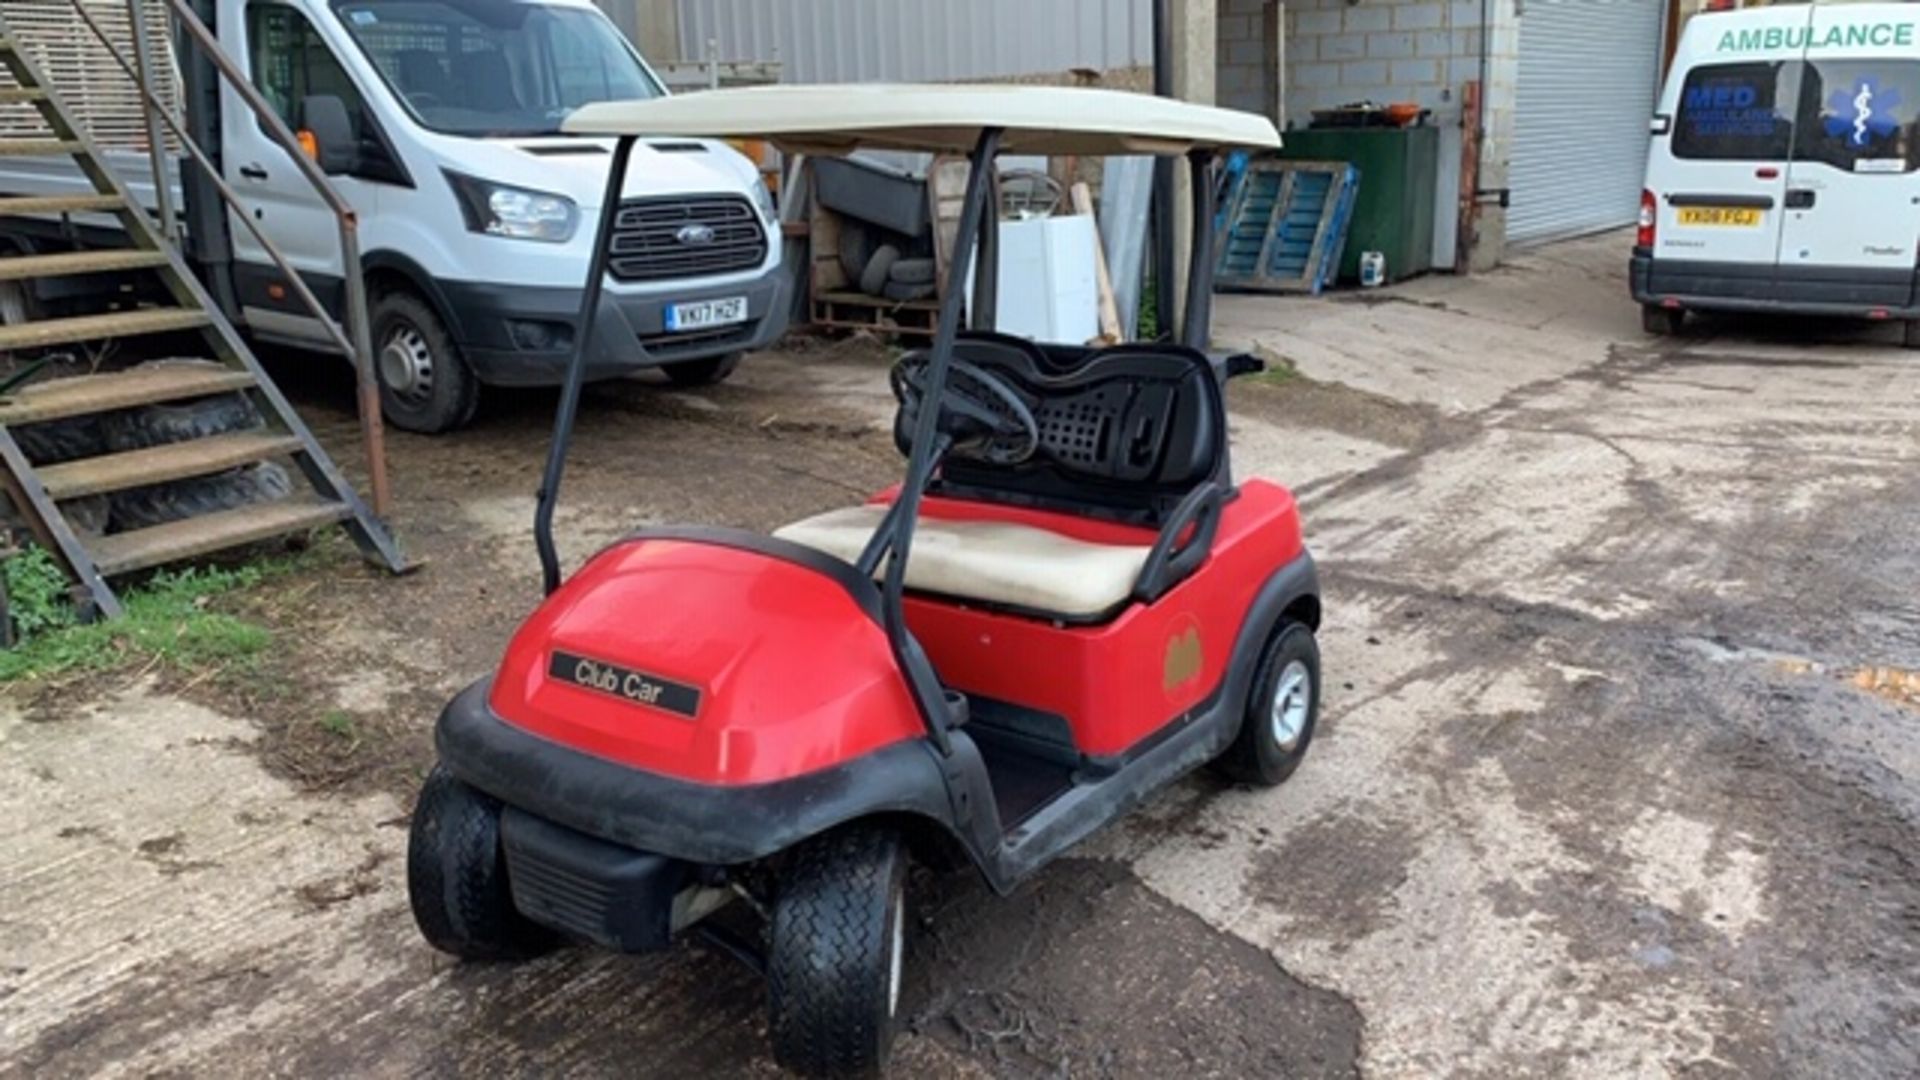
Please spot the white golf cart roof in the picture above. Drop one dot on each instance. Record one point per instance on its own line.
(942, 119)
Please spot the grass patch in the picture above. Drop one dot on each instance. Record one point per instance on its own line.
(171, 621)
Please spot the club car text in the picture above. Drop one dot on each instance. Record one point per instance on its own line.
(626, 684)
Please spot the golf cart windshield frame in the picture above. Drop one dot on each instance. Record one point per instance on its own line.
(893, 539)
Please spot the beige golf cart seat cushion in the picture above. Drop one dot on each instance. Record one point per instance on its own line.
(994, 562)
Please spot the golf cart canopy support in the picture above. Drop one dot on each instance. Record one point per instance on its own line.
(980, 121)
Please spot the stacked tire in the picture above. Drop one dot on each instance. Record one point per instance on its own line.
(52, 443)
(58, 441)
(887, 264)
(184, 421)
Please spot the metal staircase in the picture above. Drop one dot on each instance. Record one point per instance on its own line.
(38, 492)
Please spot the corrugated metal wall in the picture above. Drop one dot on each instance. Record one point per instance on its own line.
(920, 40)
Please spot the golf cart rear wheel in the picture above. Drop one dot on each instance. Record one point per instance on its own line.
(1281, 711)
(457, 876)
(707, 372)
(836, 953)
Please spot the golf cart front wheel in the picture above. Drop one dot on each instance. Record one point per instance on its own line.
(1281, 711)
(836, 953)
(457, 876)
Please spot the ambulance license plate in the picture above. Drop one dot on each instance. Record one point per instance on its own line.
(706, 314)
(1739, 217)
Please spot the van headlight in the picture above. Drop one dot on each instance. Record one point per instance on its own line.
(500, 210)
(763, 199)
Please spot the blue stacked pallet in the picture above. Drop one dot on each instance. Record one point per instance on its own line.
(1286, 225)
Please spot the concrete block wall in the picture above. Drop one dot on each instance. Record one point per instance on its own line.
(1339, 51)
(1380, 50)
(1242, 55)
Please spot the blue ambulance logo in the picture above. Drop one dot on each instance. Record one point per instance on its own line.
(1863, 112)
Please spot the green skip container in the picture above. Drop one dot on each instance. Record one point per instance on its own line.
(1393, 214)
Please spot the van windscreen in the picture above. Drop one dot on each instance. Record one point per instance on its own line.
(495, 67)
(1737, 112)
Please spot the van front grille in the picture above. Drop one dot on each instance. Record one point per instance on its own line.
(669, 238)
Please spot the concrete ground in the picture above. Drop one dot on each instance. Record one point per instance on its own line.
(1618, 773)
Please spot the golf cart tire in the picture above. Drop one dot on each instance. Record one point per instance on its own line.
(457, 876)
(1662, 321)
(704, 372)
(453, 393)
(176, 422)
(55, 441)
(1257, 756)
(832, 950)
(178, 500)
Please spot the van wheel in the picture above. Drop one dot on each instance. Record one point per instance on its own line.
(1662, 321)
(714, 369)
(1281, 711)
(425, 384)
(1910, 333)
(836, 953)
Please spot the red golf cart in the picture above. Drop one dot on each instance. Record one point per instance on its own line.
(1068, 603)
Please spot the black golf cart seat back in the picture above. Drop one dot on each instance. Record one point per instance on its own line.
(1126, 432)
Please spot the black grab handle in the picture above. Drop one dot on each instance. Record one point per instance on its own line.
(1172, 561)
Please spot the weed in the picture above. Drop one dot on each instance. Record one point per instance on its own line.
(37, 593)
(169, 622)
(339, 723)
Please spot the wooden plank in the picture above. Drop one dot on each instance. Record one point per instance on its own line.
(1103, 281)
(99, 328)
(37, 147)
(23, 267)
(126, 552)
(144, 385)
(159, 464)
(60, 204)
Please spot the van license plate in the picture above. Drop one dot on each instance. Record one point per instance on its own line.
(706, 314)
(1719, 215)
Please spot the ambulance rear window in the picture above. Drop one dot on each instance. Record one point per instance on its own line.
(1861, 116)
(1737, 112)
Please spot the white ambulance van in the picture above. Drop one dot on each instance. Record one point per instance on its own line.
(1782, 176)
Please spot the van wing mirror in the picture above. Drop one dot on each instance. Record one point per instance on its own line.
(1660, 124)
(327, 132)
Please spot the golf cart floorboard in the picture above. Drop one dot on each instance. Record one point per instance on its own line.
(1022, 783)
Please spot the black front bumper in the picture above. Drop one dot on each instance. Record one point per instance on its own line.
(515, 336)
(691, 822)
(1764, 287)
(611, 895)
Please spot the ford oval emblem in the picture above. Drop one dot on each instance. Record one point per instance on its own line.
(695, 235)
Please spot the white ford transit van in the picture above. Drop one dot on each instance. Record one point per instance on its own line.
(1782, 175)
(477, 216)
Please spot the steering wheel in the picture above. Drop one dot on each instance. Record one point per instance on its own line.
(981, 412)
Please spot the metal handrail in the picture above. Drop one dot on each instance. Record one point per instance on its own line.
(356, 340)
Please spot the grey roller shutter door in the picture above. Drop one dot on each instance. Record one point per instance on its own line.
(1588, 74)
